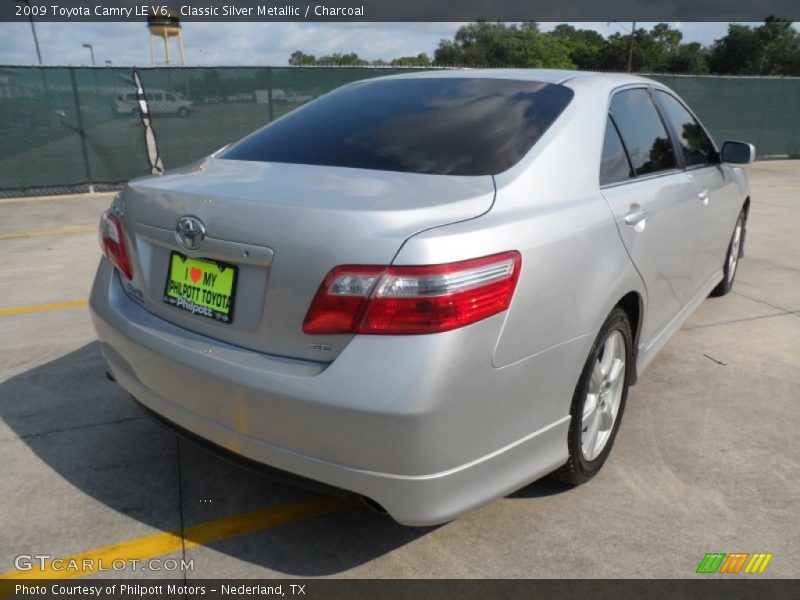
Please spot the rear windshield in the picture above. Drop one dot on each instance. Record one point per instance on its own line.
(445, 126)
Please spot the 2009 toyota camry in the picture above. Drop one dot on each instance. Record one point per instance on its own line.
(428, 289)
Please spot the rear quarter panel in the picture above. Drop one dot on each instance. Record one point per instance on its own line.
(549, 207)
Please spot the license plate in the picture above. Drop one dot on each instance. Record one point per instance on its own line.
(201, 287)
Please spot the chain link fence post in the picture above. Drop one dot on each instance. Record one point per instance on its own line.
(81, 129)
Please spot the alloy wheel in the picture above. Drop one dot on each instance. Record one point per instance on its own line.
(733, 255)
(606, 385)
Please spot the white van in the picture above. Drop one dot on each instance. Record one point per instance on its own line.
(159, 102)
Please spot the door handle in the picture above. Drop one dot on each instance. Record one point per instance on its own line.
(703, 195)
(635, 215)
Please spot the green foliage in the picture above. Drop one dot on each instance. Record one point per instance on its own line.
(688, 58)
(585, 46)
(420, 60)
(501, 45)
(301, 59)
(347, 60)
(772, 48)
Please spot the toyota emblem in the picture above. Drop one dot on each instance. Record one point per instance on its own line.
(190, 232)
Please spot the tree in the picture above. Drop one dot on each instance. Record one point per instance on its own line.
(348, 60)
(666, 39)
(734, 53)
(660, 50)
(689, 58)
(299, 58)
(772, 48)
(583, 45)
(501, 45)
(420, 60)
(780, 47)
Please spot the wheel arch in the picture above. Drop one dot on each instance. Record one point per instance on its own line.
(633, 305)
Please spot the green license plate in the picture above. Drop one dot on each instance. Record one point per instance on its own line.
(201, 287)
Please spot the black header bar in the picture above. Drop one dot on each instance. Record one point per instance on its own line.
(398, 10)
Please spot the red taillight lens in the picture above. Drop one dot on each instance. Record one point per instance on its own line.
(340, 299)
(413, 300)
(112, 242)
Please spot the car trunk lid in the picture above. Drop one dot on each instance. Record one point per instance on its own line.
(283, 226)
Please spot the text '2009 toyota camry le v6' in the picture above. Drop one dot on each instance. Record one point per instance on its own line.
(429, 289)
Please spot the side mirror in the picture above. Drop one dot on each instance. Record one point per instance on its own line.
(740, 153)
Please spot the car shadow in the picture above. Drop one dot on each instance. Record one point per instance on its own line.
(540, 489)
(93, 435)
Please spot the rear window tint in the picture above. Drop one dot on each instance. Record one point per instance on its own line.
(447, 126)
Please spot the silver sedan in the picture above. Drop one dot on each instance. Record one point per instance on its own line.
(428, 290)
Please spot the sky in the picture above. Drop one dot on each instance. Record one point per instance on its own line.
(208, 44)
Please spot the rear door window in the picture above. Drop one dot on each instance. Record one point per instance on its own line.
(614, 166)
(695, 144)
(645, 137)
(446, 126)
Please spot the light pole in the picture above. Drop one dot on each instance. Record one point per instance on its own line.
(630, 48)
(631, 39)
(33, 30)
(91, 51)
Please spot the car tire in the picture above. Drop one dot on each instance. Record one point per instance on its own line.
(183, 112)
(599, 400)
(731, 258)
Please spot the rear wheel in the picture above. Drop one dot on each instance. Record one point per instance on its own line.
(731, 259)
(599, 400)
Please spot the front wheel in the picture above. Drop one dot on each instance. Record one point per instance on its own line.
(731, 259)
(599, 400)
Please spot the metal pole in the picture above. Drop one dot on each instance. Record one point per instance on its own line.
(35, 40)
(81, 131)
(166, 47)
(33, 31)
(269, 94)
(180, 43)
(630, 48)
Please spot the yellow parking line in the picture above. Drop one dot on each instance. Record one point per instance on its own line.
(158, 544)
(21, 310)
(43, 232)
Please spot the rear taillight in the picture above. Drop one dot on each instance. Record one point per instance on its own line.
(413, 300)
(112, 242)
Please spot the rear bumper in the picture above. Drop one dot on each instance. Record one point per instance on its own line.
(242, 462)
(423, 425)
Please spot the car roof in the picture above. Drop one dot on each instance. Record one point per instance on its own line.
(542, 75)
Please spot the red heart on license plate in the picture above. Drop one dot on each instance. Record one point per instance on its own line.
(195, 274)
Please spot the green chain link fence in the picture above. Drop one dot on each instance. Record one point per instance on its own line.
(68, 127)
